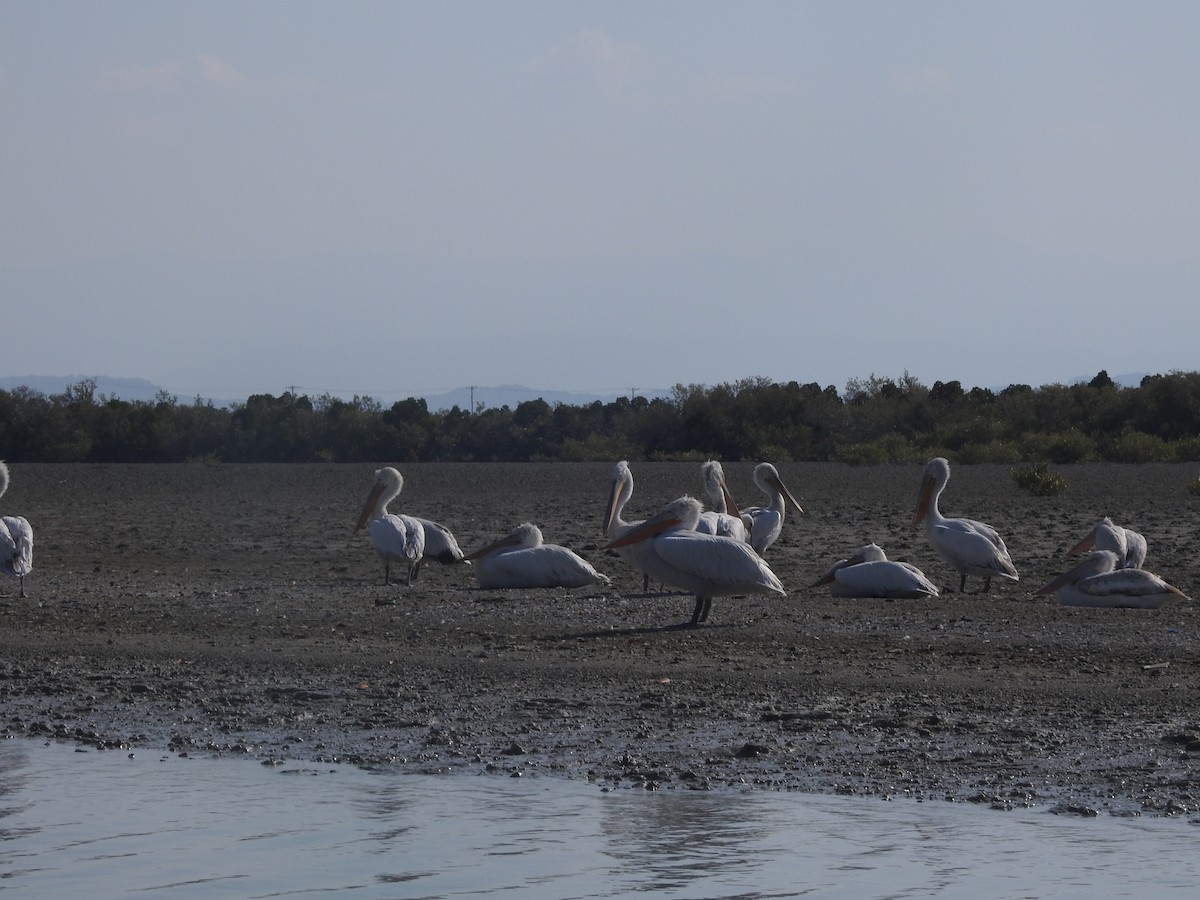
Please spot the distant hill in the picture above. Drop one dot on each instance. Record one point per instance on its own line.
(139, 389)
(121, 388)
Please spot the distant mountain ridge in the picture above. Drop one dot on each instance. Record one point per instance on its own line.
(139, 389)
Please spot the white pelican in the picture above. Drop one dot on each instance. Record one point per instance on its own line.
(1096, 581)
(869, 573)
(396, 538)
(764, 523)
(16, 540)
(707, 565)
(970, 547)
(723, 518)
(521, 560)
(1129, 546)
(615, 526)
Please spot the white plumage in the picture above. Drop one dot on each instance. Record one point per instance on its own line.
(1096, 581)
(968, 546)
(520, 559)
(396, 538)
(723, 518)
(16, 540)
(869, 573)
(705, 565)
(765, 523)
(1129, 546)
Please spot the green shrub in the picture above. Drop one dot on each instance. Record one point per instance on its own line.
(1038, 480)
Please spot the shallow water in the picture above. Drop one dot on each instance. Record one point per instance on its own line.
(155, 825)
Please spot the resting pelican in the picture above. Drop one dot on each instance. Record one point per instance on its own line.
(764, 523)
(396, 538)
(869, 573)
(1096, 581)
(521, 560)
(615, 526)
(723, 518)
(1129, 546)
(707, 565)
(970, 547)
(16, 540)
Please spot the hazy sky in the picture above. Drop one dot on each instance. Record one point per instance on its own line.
(404, 197)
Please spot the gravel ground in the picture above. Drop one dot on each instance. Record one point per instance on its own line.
(222, 609)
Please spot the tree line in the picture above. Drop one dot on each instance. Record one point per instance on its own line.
(874, 420)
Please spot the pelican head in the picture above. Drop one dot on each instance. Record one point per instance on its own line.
(937, 473)
(1095, 563)
(388, 485)
(524, 537)
(713, 476)
(866, 553)
(766, 476)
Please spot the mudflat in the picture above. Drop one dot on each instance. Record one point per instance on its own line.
(229, 609)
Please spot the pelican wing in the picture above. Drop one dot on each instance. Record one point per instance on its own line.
(968, 547)
(763, 526)
(440, 544)
(723, 564)
(16, 546)
(1135, 550)
(721, 524)
(1123, 587)
(397, 537)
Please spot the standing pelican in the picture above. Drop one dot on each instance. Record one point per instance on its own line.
(723, 518)
(764, 523)
(615, 526)
(521, 560)
(16, 540)
(970, 547)
(869, 573)
(1096, 581)
(707, 565)
(1129, 546)
(396, 538)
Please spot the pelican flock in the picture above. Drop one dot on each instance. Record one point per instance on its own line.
(706, 565)
(967, 546)
(16, 540)
(1097, 581)
(521, 559)
(396, 538)
(869, 573)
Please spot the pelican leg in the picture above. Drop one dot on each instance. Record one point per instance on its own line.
(962, 584)
(987, 585)
(698, 613)
(387, 574)
(22, 585)
(416, 569)
(707, 607)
